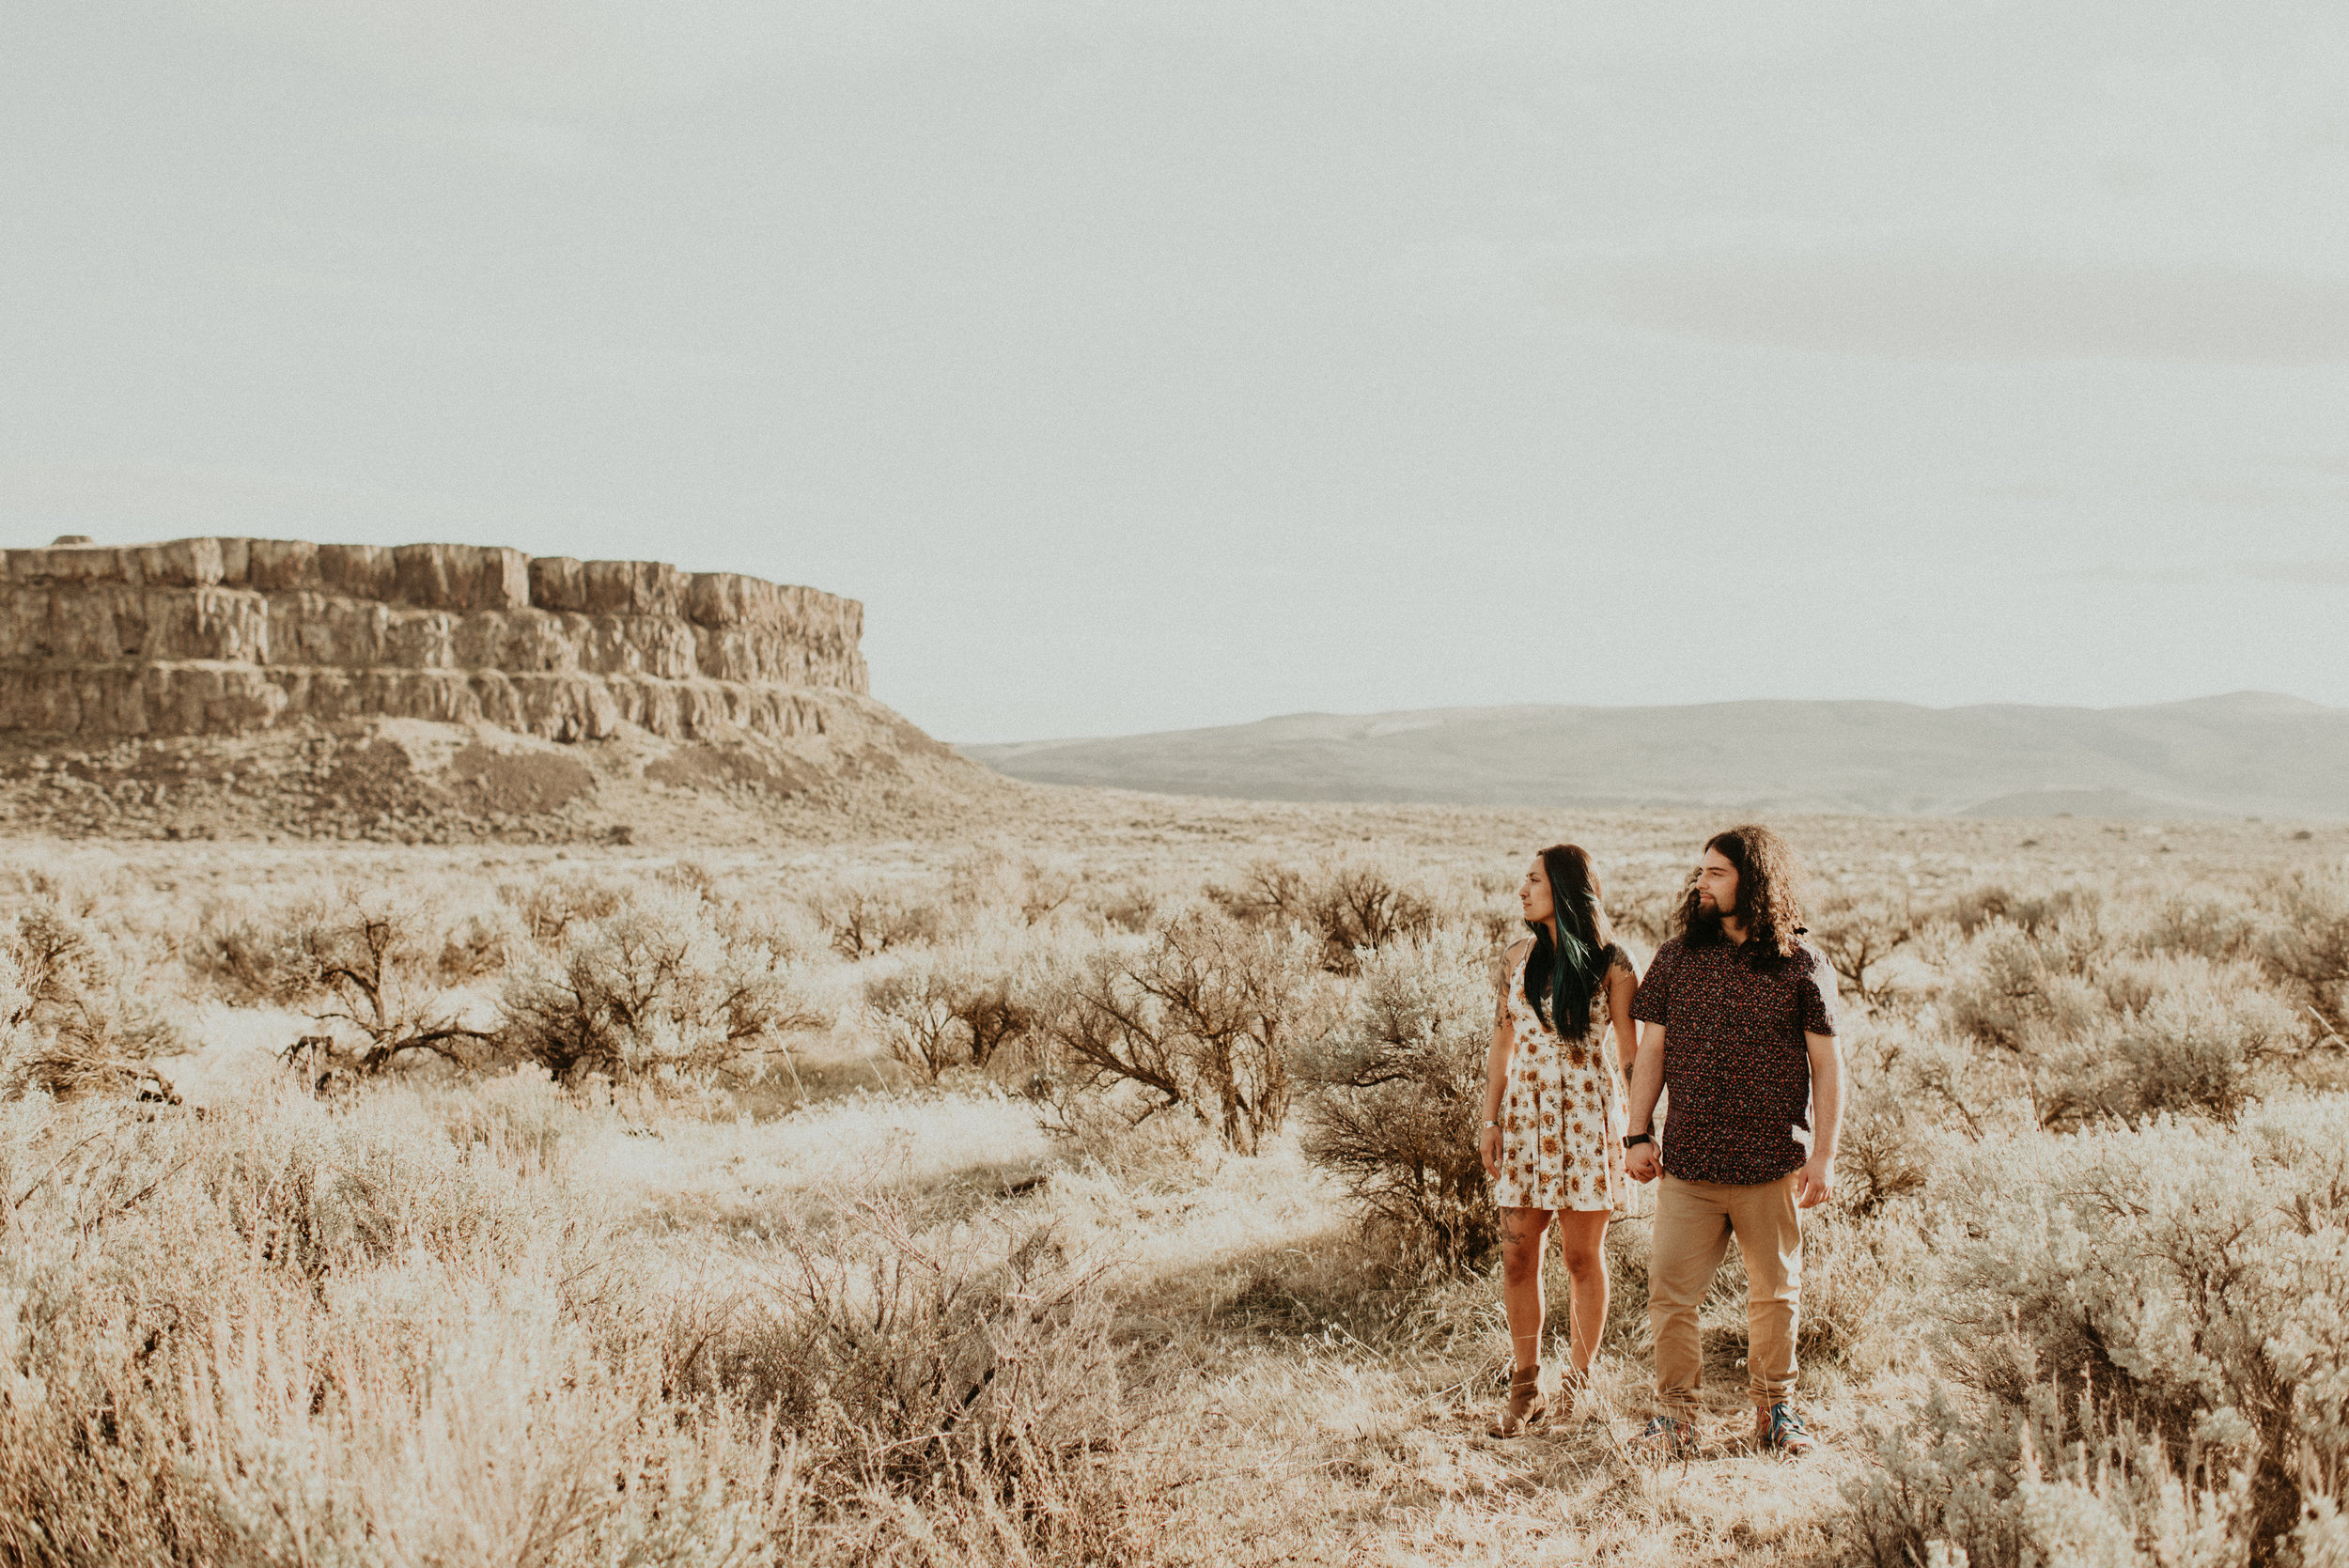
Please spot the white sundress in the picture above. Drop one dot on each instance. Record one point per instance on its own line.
(1562, 1114)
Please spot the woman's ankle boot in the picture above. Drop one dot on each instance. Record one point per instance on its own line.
(1526, 1407)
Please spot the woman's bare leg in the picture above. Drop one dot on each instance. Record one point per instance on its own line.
(1523, 1232)
(1582, 1246)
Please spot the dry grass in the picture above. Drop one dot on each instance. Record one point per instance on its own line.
(843, 1313)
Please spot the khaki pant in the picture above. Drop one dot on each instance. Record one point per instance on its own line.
(1694, 1221)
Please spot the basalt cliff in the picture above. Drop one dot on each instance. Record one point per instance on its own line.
(425, 691)
(228, 636)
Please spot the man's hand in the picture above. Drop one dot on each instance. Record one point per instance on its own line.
(1488, 1150)
(1814, 1184)
(1643, 1163)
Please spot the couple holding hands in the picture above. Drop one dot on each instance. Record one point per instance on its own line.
(1735, 1016)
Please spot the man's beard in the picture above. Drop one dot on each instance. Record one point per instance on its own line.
(1701, 922)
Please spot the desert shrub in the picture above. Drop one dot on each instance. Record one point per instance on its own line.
(481, 943)
(2218, 926)
(1630, 1251)
(1402, 1090)
(1907, 1083)
(524, 1109)
(282, 1336)
(233, 951)
(72, 1015)
(996, 882)
(2307, 942)
(1201, 1017)
(2024, 978)
(1353, 906)
(1862, 1272)
(694, 877)
(1882, 1156)
(1480, 899)
(2047, 1483)
(2031, 913)
(365, 962)
(1125, 905)
(1644, 903)
(658, 986)
(974, 1367)
(2007, 990)
(913, 1007)
(2172, 1303)
(2202, 1039)
(2118, 1035)
(1886, 1148)
(863, 916)
(1858, 935)
(80, 989)
(547, 907)
(953, 1007)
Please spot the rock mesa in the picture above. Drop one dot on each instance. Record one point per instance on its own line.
(225, 636)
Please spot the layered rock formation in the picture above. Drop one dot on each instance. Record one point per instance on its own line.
(228, 636)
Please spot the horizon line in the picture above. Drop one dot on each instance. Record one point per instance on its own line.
(1634, 708)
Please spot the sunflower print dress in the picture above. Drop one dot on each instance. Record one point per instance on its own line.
(1562, 1114)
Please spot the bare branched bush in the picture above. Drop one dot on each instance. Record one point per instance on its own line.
(865, 916)
(957, 1007)
(549, 907)
(1203, 1018)
(365, 964)
(913, 1009)
(1402, 1087)
(1859, 936)
(658, 986)
(1353, 906)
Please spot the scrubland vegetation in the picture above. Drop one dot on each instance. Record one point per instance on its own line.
(1111, 1198)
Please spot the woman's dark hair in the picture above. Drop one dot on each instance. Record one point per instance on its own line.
(1564, 972)
(1769, 894)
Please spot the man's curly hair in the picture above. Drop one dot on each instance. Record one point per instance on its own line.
(1770, 893)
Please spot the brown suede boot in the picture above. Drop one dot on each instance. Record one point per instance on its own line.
(1527, 1405)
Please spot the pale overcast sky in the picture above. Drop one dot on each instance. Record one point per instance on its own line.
(1143, 366)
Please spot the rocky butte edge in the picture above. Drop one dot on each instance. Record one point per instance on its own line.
(225, 636)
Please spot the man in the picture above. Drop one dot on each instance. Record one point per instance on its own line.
(1737, 1019)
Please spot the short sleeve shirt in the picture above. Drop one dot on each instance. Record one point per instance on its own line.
(1736, 1065)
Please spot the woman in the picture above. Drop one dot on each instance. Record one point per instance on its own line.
(1554, 1098)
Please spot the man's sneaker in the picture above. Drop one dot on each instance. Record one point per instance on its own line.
(1782, 1430)
(1669, 1437)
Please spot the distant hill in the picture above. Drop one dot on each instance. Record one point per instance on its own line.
(2252, 753)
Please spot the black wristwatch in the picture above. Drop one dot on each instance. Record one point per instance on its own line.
(1639, 1138)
